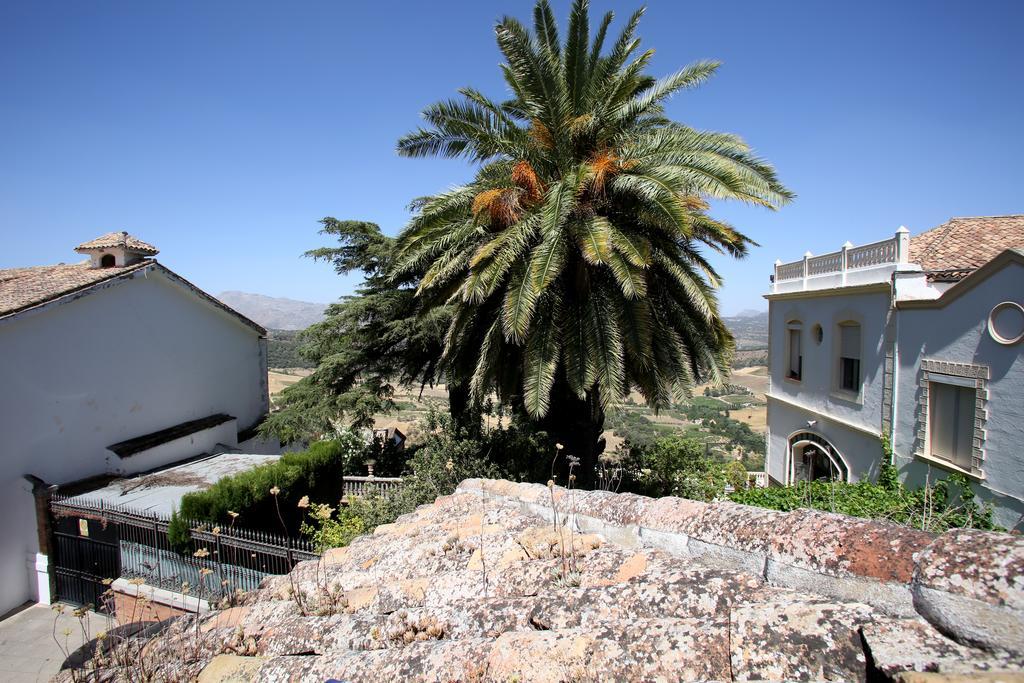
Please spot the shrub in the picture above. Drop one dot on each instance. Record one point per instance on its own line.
(946, 504)
(327, 532)
(433, 470)
(674, 466)
(178, 534)
(315, 471)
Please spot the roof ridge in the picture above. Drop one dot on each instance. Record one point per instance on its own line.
(998, 215)
(966, 242)
(940, 236)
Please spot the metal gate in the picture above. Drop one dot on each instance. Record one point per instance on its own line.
(94, 541)
(86, 551)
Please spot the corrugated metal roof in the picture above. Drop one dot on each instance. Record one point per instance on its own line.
(160, 491)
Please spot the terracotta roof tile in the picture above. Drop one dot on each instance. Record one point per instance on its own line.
(966, 243)
(119, 239)
(22, 288)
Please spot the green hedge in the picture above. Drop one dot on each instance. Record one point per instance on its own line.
(315, 472)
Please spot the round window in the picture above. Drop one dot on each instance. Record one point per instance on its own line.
(1006, 322)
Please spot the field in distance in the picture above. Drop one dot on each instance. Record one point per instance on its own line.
(710, 418)
(279, 378)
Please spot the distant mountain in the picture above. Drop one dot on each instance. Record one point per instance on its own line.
(750, 329)
(274, 313)
(750, 313)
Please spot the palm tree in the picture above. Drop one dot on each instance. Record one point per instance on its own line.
(574, 264)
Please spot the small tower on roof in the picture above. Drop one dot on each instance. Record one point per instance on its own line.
(115, 250)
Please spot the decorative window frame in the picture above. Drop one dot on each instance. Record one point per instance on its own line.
(803, 436)
(934, 371)
(847, 316)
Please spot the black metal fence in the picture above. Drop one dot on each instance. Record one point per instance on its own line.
(96, 540)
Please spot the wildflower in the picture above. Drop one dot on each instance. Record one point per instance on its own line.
(450, 465)
(202, 552)
(324, 512)
(216, 531)
(232, 514)
(107, 582)
(58, 608)
(137, 581)
(559, 446)
(102, 635)
(66, 632)
(274, 490)
(551, 483)
(304, 502)
(205, 571)
(572, 477)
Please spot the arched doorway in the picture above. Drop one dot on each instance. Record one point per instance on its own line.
(813, 458)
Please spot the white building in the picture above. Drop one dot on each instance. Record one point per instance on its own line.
(115, 365)
(918, 337)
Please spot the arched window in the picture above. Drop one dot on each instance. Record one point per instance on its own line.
(813, 458)
(107, 261)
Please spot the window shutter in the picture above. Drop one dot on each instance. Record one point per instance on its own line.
(951, 422)
(849, 341)
(964, 427)
(794, 351)
(942, 412)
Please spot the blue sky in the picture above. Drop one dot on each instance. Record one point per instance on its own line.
(221, 132)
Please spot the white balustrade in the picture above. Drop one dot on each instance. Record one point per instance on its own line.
(874, 254)
(886, 252)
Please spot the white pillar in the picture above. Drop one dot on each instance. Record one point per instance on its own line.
(39, 570)
(843, 264)
(807, 255)
(903, 245)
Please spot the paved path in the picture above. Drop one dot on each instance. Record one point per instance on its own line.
(28, 651)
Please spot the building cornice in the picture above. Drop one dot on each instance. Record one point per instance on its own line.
(825, 416)
(968, 283)
(141, 269)
(874, 287)
(120, 276)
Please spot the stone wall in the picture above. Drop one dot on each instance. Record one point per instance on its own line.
(135, 603)
(968, 584)
(481, 586)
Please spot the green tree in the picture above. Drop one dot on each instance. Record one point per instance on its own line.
(366, 344)
(676, 466)
(574, 265)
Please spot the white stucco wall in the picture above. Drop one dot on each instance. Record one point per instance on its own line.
(856, 423)
(210, 440)
(860, 450)
(125, 360)
(957, 332)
